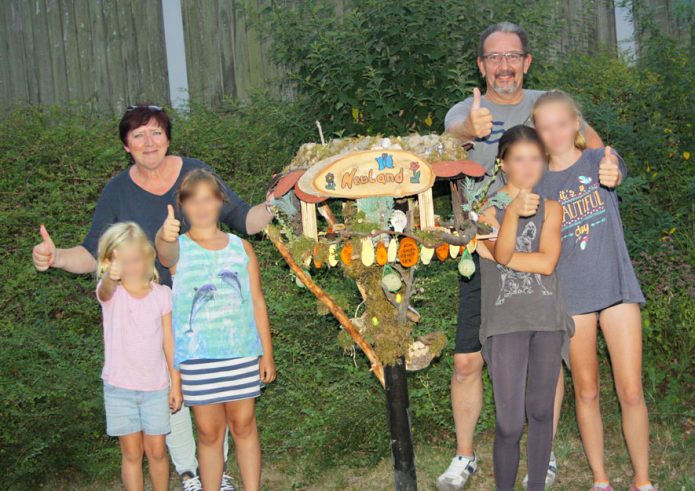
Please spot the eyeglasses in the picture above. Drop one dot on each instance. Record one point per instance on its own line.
(512, 58)
(151, 107)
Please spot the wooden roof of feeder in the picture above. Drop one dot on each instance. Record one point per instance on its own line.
(445, 150)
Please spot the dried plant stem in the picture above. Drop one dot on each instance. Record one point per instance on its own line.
(377, 368)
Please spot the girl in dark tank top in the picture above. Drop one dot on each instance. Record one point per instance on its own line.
(525, 328)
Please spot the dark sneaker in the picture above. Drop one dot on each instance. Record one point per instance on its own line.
(227, 484)
(190, 482)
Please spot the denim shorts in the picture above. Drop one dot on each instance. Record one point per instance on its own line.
(132, 411)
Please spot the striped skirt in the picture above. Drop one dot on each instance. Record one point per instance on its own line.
(215, 381)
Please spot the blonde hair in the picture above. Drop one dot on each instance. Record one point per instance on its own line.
(557, 95)
(119, 234)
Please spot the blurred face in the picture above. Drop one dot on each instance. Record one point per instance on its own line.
(524, 165)
(148, 144)
(557, 125)
(203, 207)
(134, 262)
(504, 74)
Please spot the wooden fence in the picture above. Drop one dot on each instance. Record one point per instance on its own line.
(110, 53)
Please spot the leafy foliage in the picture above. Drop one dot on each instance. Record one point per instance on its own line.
(390, 67)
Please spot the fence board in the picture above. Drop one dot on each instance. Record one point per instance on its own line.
(111, 53)
(106, 53)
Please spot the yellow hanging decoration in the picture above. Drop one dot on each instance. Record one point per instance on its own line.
(375, 321)
(332, 255)
(367, 254)
(392, 250)
(454, 249)
(426, 254)
(472, 245)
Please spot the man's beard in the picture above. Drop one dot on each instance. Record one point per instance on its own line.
(509, 89)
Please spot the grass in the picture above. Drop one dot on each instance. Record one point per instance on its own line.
(671, 456)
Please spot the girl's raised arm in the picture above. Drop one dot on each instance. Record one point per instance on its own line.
(545, 260)
(260, 311)
(167, 240)
(109, 282)
(525, 204)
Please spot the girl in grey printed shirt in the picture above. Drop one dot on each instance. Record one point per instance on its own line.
(600, 285)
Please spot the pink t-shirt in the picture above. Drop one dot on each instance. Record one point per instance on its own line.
(133, 339)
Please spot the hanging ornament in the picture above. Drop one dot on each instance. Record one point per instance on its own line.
(298, 282)
(367, 254)
(307, 261)
(408, 252)
(392, 250)
(442, 251)
(332, 255)
(426, 254)
(472, 245)
(390, 279)
(466, 265)
(317, 261)
(399, 298)
(382, 254)
(454, 249)
(399, 220)
(346, 254)
(375, 321)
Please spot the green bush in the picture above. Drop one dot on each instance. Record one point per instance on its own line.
(391, 67)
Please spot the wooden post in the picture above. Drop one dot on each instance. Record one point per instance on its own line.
(404, 477)
(309, 227)
(426, 205)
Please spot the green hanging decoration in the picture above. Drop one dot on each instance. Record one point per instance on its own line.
(466, 264)
(390, 279)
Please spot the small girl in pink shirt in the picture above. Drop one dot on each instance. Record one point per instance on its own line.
(141, 385)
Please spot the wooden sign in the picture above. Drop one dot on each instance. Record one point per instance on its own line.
(369, 173)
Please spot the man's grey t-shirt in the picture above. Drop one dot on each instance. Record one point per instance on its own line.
(122, 200)
(504, 116)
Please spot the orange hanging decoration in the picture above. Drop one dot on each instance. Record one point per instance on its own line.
(382, 254)
(442, 251)
(346, 254)
(317, 262)
(408, 252)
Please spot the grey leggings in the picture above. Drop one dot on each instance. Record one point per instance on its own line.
(524, 367)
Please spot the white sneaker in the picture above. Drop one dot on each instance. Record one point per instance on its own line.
(549, 477)
(456, 476)
(227, 484)
(189, 482)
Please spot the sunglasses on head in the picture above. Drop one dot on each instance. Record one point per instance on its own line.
(151, 107)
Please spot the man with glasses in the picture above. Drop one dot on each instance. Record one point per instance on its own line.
(503, 60)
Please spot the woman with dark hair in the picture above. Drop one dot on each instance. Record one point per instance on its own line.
(141, 194)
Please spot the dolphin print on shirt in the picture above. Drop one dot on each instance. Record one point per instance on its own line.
(232, 279)
(203, 295)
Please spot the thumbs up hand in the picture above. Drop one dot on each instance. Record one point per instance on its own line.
(171, 227)
(44, 253)
(609, 169)
(525, 204)
(479, 121)
(115, 267)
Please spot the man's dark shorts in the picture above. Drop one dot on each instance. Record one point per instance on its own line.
(468, 324)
